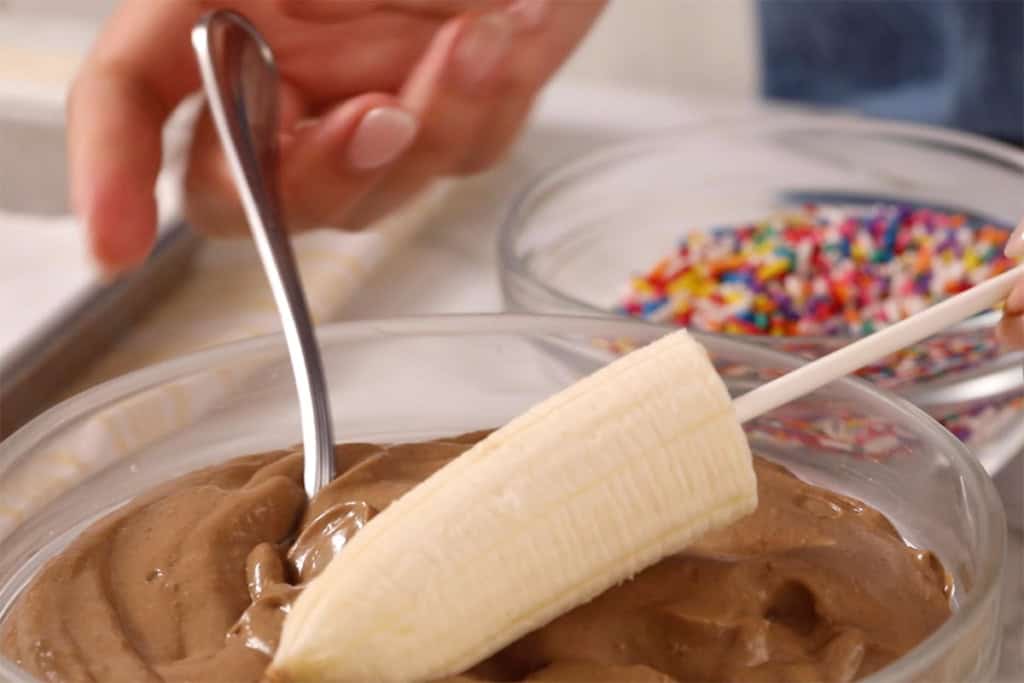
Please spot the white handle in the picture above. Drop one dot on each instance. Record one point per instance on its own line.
(876, 346)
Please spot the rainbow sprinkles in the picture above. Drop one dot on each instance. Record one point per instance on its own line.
(818, 271)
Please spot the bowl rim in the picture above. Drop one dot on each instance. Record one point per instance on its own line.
(513, 223)
(993, 536)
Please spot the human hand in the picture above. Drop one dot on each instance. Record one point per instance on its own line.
(378, 98)
(1011, 329)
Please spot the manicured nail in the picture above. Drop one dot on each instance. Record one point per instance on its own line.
(382, 135)
(482, 47)
(529, 13)
(1015, 247)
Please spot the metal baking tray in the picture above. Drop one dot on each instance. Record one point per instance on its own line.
(36, 372)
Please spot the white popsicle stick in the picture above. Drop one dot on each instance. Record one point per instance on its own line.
(874, 347)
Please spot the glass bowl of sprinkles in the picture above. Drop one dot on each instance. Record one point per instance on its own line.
(800, 232)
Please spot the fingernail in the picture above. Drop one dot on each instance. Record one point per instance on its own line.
(1015, 246)
(529, 13)
(382, 135)
(482, 47)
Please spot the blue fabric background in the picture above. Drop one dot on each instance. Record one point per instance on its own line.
(957, 63)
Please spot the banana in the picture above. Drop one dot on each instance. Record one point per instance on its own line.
(589, 487)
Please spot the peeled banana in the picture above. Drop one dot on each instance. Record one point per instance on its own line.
(578, 494)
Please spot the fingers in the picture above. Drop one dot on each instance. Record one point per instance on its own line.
(475, 87)
(326, 166)
(116, 109)
(546, 37)
(332, 61)
(212, 204)
(1015, 245)
(1011, 332)
(337, 161)
(463, 104)
(142, 67)
(1011, 328)
(114, 147)
(473, 91)
(337, 10)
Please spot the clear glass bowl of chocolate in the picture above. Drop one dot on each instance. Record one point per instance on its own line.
(626, 231)
(810, 605)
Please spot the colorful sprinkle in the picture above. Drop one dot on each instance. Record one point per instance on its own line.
(866, 266)
(984, 421)
(829, 271)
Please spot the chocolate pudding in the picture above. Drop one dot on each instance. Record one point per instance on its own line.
(192, 582)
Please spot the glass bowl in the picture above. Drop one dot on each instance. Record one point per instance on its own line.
(417, 378)
(574, 238)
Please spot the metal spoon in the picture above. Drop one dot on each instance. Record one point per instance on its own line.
(240, 80)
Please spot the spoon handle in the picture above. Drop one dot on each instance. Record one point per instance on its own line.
(240, 81)
(874, 347)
